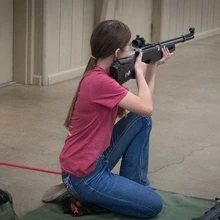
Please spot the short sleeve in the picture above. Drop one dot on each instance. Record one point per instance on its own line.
(105, 91)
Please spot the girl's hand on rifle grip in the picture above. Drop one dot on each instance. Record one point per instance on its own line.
(140, 67)
(166, 55)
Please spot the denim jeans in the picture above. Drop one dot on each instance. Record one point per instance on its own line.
(128, 193)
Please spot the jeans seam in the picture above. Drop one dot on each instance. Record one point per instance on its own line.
(102, 194)
(131, 124)
(141, 162)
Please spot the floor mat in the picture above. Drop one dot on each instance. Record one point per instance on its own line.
(176, 207)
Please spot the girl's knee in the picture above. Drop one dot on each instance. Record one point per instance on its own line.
(147, 120)
(156, 205)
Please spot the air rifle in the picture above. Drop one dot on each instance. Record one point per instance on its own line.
(123, 69)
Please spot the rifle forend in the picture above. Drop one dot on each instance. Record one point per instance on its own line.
(123, 69)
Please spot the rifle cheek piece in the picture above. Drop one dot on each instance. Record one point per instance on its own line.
(125, 67)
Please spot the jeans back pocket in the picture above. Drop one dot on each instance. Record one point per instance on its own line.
(67, 181)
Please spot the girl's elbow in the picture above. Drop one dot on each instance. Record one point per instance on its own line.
(148, 111)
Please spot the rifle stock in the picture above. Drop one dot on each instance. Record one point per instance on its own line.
(122, 70)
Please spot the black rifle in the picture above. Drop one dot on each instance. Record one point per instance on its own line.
(123, 69)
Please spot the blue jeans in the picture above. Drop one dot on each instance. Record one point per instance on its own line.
(128, 193)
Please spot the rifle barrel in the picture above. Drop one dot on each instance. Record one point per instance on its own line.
(178, 40)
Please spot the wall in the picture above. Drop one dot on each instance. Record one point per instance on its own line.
(67, 28)
(27, 41)
(51, 37)
(68, 25)
(6, 35)
(136, 14)
(178, 15)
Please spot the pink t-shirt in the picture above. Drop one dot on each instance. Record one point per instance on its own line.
(92, 122)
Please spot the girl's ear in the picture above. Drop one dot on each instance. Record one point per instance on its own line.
(117, 53)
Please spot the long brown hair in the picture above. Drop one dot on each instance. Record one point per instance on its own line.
(106, 38)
